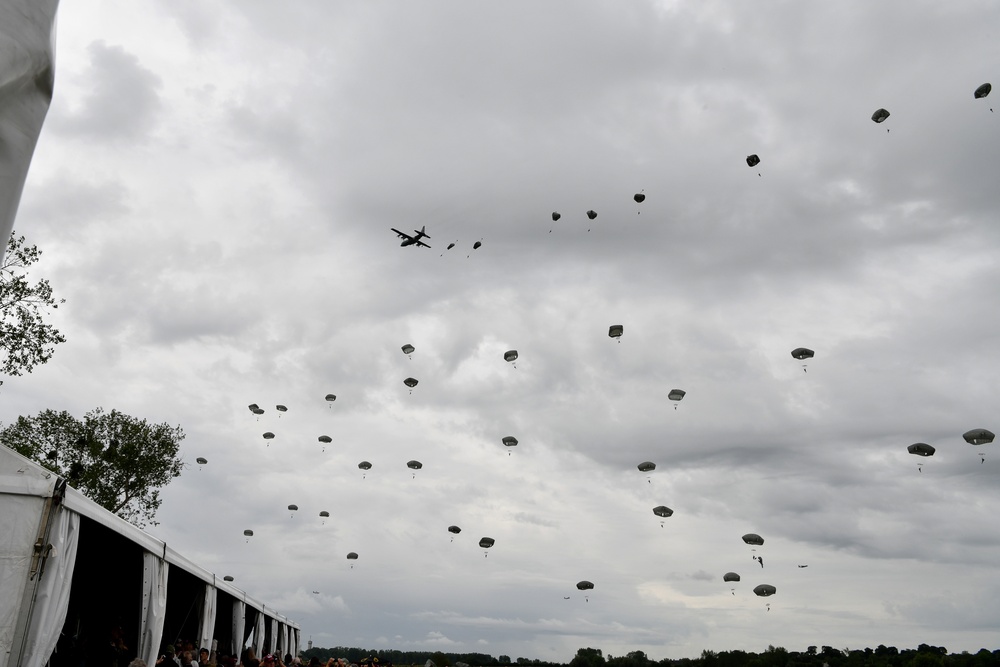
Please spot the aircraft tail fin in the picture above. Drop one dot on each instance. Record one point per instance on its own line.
(423, 231)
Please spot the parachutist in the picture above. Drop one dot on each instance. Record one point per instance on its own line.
(760, 559)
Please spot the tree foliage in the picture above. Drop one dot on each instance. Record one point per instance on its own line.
(118, 461)
(25, 339)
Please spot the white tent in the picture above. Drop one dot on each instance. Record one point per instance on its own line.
(70, 571)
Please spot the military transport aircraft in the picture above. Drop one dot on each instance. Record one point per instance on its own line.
(412, 240)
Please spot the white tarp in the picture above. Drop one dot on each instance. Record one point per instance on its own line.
(19, 523)
(154, 605)
(27, 75)
(52, 595)
(239, 621)
(258, 635)
(207, 630)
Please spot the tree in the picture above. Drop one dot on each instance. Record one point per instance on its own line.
(25, 339)
(588, 657)
(118, 461)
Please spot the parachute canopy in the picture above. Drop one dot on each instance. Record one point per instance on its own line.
(803, 353)
(454, 530)
(258, 411)
(486, 542)
(408, 349)
(730, 576)
(324, 513)
(331, 398)
(639, 197)
(753, 160)
(414, 465)
(676, 394)
(921, 449)
(662, 510)
(555, 216)
(201, 461)
(365, 465)
(253, 407)
(764, 590)
(268, 435)
(352, 556)
(978, 436)
(753, 538)
(281, 408)
(509, 441)
(616, 330)
(591, 214)
(228, 577)
(983, 90)
(248, 533)
(293, 508)
(647, 466)
(510, 355)
(585, 585)
(880, 115)
(410, 382)
(325, 439)
(476, 245)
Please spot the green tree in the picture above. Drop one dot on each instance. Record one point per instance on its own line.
(25, 339)
(588, 657)
(118, 461)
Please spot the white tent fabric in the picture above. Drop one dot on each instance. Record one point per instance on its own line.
(18, 528)
(52, 594)
(258, 635)
(154, 605)
(273, 645)
(239, 621)
(27, 67)
(208, 611)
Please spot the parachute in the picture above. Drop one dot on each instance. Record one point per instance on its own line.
(248, 534)
(765, 590)
(639, 197)
(269, 437)
(591, 214)
(281, 408)
(982, 91)
(414, 466)
(352, 556)
(486, 543)
(326, 440)
(477, 245)
(616, 331)
(365, 466)
(663, 512)
(324, 515)
(647, 466)
(880, 115)
(753, 160)
(730, 576)
(330, 398)
(253, 407)
(509, 441)
(510, 356)
(411, 383)
(293, 509)
(259, 412)
(754, 539)
(408, 349)
(920, 449)
(228, 577)
(555, 216)
(803, 353)
(201, 461)
(979, 436)
(455, 530)
(676, 395)
(585, 586)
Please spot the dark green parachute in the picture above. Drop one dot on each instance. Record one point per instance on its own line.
(921, 449)
(753, 538)
(730, 576)
(765, 590)
(880, 115)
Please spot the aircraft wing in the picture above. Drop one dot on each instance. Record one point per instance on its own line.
(423, 244)
(401, 234)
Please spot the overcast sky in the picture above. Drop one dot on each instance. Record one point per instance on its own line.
(213, 192)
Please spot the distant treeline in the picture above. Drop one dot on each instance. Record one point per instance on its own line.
(825, 656)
